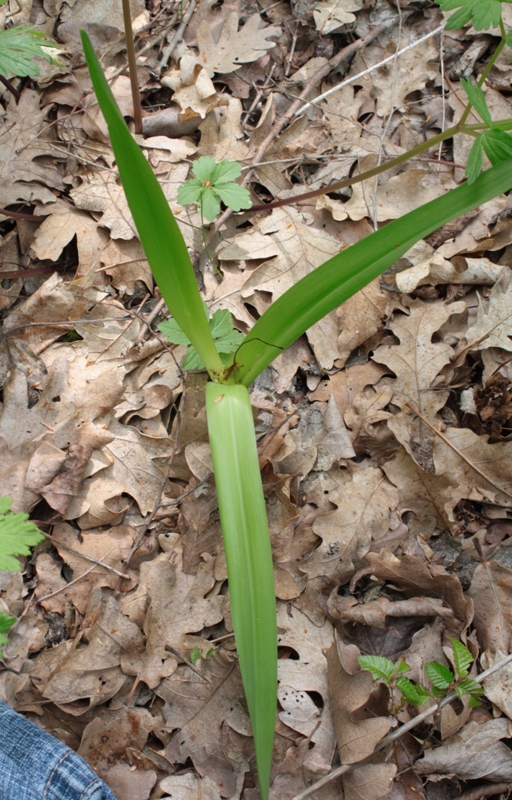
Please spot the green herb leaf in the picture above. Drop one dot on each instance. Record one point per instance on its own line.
(497, 146)
(213, 183)
(439, 676)
(382, 669)
(475, 160)
(18, 47)
(17, 536)
(403, 666)
(225, 337)
(195, 654)
(462, 658)
(477, 99)
(469, 686)
(484, 14)
(414, 693)
(6, 623)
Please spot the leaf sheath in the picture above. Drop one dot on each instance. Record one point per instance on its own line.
(249, 559)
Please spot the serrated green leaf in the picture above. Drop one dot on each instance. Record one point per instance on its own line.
(484, 14)
(475, 160)
(439, 676)
(225, 337)
(462, 658)
(403, 666)
(477, 99)
(18, 47)
(381, 669)
(414, 693)
(469, 686)
(226, 172)
(172, 331)
(210, 205)
(234, 196)
(474, 702)
(6, 622)
(190, 192)
(204, 169)
(17, 536)
(195, 654)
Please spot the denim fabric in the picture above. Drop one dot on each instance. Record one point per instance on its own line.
(36, 766)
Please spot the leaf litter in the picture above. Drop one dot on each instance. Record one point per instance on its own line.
(384, 432)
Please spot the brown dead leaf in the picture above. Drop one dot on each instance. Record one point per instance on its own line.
(493, 324)
(306, 674)
(60, 227)
(22, 178)
(369, 782)
(189, 787)
(364, 500)
(360, 317)
(490, 590)
(199, 710)
(414, 577)
(357, 736)
(126, 264)
(107, 744)
(234, 47)
(475, 752)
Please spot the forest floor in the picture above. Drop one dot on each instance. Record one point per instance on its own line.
(384, 433)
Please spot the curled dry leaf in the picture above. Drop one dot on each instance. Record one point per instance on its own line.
(357, 736)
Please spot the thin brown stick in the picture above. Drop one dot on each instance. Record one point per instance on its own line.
(177, 36)
(20, 215)
(132, 63)
(337, 773)
(8, 85)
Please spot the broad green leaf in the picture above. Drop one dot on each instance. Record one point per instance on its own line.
(475, 160)
(160, 236)
(18, 47)
(195, 655)
(382, 669)
(497, 146)
(204, 169)
(328, 286)
(172, 331)
(414, 693)
(249, 559)
(403, 666)
(234, 196)
(226, 338)
(210, 204)
(190, 192)
(439, 676)
(477, 99)
(469, 686)
(462, 658)
(17, 537)
(227, 171)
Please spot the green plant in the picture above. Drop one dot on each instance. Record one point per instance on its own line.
(212, 183)
(17, 537)
(19, 47)
(230, 421)
(442, 678)
(225, 337)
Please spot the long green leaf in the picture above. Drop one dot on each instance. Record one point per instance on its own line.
(159, 233)
(249, 559)
(328, 286)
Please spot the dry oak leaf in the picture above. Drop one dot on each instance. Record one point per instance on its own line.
(189, 787)
(90, 675)
(329, 15)
(108, 744)
(177, 605)
(423, 493)
(60, 227)
(493, 324)
(357, 738)
(475, 752)
(482, 470)
(301, 249)
(200, 710)
(414, 577)
(22, 178)
(306, 674)
(437, 270)
(234, 47)
(360, 317)
(126, 263)
(364, 500)
(369, 782)
(491, 590)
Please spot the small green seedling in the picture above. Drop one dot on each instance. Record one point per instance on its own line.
(195, 653)
(212, 183)
(225, 337)
(441, 677)
(17, 537)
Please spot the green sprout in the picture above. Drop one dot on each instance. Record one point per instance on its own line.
(212, 183)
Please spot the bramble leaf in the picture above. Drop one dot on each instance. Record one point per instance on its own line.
(477, 99)
(382, 669)
(439, 676)
(462, 658)
(414, 693)
(19, 46)
(17, 536)
(469, 686)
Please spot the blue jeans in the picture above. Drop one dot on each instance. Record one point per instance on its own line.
(36, 766)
